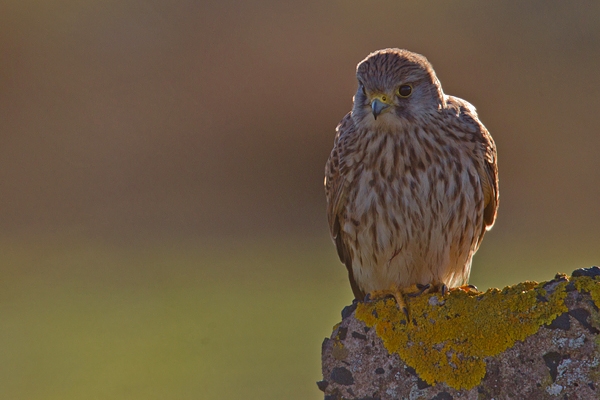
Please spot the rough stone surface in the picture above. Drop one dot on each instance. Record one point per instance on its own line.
(560, 361)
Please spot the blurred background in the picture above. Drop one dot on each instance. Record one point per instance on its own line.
(162, 217)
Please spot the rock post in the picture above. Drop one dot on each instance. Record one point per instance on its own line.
(527, 341)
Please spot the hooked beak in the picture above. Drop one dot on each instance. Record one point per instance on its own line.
(378, 105)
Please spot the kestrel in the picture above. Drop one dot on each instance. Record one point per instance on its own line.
(411, 182)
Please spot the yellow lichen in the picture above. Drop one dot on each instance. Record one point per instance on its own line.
(589, 285)
(448, 337)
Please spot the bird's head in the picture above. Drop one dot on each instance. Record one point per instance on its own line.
(395, 86)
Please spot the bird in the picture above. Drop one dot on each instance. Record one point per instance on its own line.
(411, 182)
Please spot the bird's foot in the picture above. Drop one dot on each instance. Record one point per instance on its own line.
(394, 292)
(469, 289)
(418, 289)
(443, 289)
(398, 294)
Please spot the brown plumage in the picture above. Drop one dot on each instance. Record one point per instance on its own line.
(411, 182)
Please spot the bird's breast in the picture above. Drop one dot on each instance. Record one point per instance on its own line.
(410, 188)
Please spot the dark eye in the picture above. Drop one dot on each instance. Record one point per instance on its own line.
(405, 90)
(362, 87)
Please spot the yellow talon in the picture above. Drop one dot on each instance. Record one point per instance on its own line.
(411, 291)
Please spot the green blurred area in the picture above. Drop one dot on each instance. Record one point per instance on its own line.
(178, 320)
(162, 217)
(185, 319)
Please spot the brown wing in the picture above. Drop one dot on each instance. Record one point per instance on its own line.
(337, 181)
(490, 180)
(486, 152)
(335, 175)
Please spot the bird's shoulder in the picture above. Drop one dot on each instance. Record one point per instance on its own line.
(344, 131)
(461, 112)
(462, 115)
(343, 142)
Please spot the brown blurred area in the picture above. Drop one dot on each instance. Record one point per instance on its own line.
(216, 118)
(162, 215)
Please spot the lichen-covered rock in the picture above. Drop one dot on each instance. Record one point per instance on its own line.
(531, 340)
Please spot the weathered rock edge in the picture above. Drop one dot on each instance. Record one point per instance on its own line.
(559, 361)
